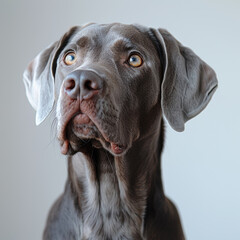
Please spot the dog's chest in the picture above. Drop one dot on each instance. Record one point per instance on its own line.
(105, 215)
(107, 211)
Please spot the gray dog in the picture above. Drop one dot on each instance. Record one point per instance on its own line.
(111, 85)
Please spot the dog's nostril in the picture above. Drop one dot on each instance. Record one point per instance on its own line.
(70, 84)
(90, 85)
(71, 88)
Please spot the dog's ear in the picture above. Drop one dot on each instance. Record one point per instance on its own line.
(39, 77)
(188, 82)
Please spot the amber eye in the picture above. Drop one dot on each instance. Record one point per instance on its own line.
(70, 58)
(135, 60)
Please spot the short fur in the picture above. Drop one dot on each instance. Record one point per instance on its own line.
(110, 124)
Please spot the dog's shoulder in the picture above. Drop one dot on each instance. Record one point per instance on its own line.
(63, 220)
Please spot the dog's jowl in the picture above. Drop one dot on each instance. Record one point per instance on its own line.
(111, 86)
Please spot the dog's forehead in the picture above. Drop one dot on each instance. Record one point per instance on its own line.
(109, 33)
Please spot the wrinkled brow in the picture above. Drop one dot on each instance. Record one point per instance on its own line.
(83, 42)
(122, 45)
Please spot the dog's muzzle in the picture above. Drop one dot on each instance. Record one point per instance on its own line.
(81, 91)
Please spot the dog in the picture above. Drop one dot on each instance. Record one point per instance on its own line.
(112, 86)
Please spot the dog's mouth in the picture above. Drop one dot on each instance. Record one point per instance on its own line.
(83, 130)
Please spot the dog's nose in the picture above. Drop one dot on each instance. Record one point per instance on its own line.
(82, 83)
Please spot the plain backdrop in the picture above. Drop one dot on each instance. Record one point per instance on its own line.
(201, 166)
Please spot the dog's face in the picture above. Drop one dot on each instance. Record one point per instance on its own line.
(107, 79)
(110, 82)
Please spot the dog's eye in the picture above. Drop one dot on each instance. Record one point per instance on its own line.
(135, 60)
(70, 58)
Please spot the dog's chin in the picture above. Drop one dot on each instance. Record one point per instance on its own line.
(83, 137)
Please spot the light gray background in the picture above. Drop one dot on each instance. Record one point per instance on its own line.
(200, 166)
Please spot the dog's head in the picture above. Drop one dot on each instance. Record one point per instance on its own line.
(111, 84)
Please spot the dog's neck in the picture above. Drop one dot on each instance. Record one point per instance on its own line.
(118, 190)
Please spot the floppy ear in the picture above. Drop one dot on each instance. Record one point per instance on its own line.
(38, 78)
(188, 82)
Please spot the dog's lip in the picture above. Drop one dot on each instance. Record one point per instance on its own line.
(65, 147)
(79, 119)
(117, 149)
